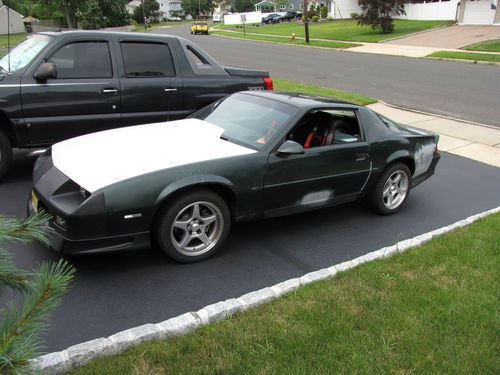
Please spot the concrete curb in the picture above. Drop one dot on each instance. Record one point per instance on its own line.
(465, 61)
(80, 354)
(437, 115)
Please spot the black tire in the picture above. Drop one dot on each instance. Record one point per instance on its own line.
(202, 239)
(396, 196)
(5, 154)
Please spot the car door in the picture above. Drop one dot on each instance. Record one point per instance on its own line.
(147, 74)
(83, 98)
(321, 176)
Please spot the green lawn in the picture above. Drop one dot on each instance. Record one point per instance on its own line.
(466, 56)
(15, 39)
(277, 39)
(488, 46)
(433, 309)
(286, 85)
(140, 27)
(347, 30)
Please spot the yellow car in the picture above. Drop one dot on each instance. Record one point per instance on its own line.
(199, 28)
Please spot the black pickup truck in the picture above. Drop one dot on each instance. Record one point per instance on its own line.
(59, 85)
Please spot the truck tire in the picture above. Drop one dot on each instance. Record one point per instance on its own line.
(5, 154)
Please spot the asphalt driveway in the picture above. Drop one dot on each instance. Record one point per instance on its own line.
(450, 37)
(113, 292)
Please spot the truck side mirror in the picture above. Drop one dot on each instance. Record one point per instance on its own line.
(45, 71)
(290, 147)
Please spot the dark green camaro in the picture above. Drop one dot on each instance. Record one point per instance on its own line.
(252, 155)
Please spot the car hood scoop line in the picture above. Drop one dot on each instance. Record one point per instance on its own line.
(97, 160)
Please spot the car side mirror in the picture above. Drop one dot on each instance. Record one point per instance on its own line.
(45, 71)
(291, 148)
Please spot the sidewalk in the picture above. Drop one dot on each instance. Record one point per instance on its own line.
(473, 141)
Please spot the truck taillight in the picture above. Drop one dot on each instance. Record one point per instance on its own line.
(268, 83)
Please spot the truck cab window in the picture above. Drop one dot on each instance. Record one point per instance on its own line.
(83, 60)
(147, 59)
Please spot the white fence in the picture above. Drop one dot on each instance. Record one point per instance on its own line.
(444, 10)
(235, 19)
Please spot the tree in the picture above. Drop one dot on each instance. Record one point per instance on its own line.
(243, 5)
(91, 17)
(42, 289)
(380, 12)
(196, 7)
(114, 12)
(150, 11)
(67, 7)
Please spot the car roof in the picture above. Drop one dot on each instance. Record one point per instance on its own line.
(99, 33)
(301, 100)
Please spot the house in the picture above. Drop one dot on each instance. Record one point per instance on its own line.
(170, 8)
(15, 20)
(466, 12)
(132, 5)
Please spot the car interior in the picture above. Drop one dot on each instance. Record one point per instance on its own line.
(326, 127)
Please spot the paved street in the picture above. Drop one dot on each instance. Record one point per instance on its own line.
(117, 291)
(454, 89)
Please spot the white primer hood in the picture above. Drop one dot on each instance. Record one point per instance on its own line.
(100, 159)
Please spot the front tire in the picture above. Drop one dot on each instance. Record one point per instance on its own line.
(5, 154)
(391, 191)
(193, 226)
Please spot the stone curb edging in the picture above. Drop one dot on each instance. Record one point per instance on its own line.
(80, 354)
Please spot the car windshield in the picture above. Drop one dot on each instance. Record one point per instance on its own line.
(24, 53)
(248, 119)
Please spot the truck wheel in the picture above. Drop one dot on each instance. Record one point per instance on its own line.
(5, 154)
(193, 226)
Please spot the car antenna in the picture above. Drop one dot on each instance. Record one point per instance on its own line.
(8, 35)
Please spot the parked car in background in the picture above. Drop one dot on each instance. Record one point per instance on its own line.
(173, 19)
(217, 17)
(254, 154)
(270, 17)
(58, 85)
(291, 16)
(199, 27)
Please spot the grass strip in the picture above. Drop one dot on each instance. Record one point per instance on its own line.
(347, 30)
(15, 39)
(277, 39)
(466, 56)
(286, 85)
(433, 309)
(487, 46)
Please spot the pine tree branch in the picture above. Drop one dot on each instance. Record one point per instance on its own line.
(19, 332)
(10, 276)
(25, 230)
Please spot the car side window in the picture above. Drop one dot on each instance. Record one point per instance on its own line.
(83, 60)
(142, 59)
(326, 127)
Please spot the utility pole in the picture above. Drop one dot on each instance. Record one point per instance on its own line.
(306, 21)
(144, 16)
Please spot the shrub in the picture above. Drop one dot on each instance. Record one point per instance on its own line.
(330, 18)
(315, 18)
(354, 15)
(323, 12)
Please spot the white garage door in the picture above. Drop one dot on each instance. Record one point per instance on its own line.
(479, 12)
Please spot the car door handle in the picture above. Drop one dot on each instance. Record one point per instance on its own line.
(361, 157)
(109, 90)
(168, 89)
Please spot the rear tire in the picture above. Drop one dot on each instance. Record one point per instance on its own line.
(391, 191)
(193, 226)
(5, 154)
